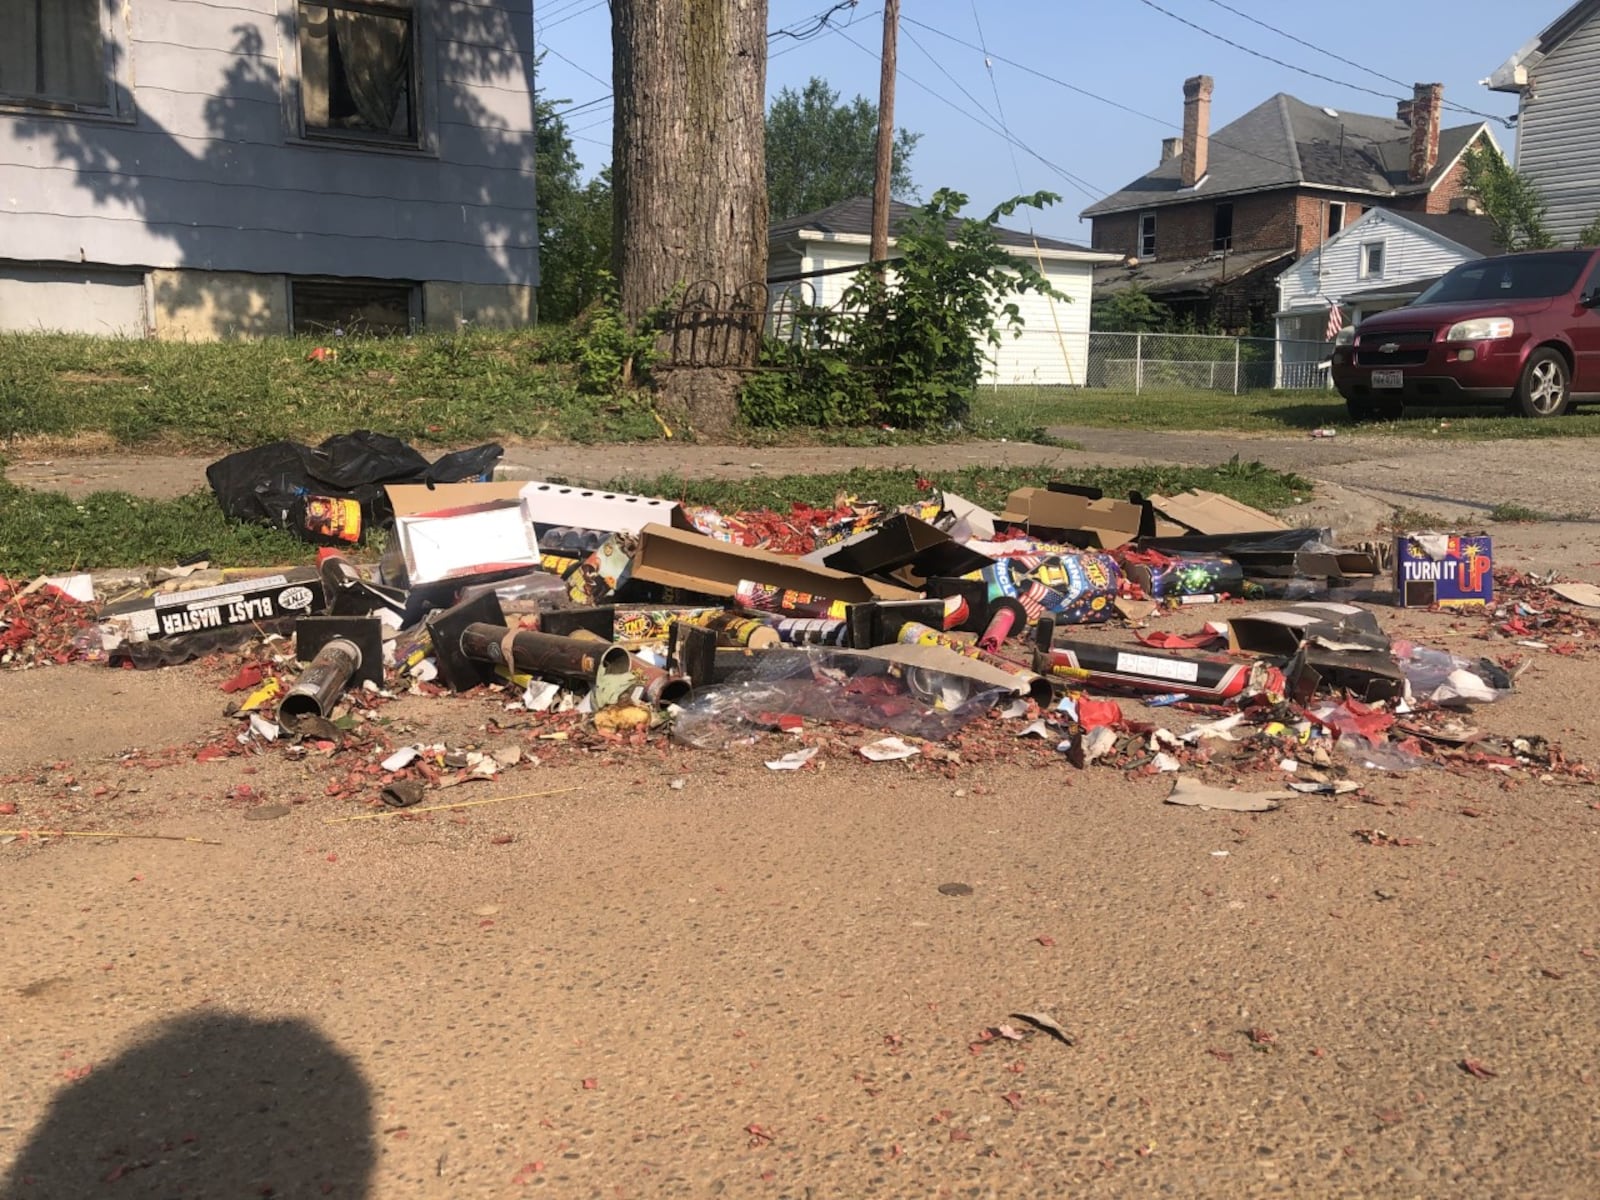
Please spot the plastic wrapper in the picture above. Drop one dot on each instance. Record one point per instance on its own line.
(533, 592)
(836, 686)
(1444, 678)
(1380, 756)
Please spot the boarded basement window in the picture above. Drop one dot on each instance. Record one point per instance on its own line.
(349, 306)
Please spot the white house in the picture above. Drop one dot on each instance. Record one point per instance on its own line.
(191, 168)
(814, 257)
(1556, 79)
(1380, 261)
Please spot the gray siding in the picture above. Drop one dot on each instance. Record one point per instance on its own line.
(1558, 135)
(211, 173)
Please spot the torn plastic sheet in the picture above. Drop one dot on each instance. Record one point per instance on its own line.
(1381, 756)
(837, 686)
(1448, 679)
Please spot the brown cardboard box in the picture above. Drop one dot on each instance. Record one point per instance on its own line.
(411, 499)
(1209, 512)
(1102, 524)
(696, 563)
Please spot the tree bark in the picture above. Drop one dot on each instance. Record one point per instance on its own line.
(689, 170)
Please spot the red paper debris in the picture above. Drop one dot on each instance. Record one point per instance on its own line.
(1092, 714)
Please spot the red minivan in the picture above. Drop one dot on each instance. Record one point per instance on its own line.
(1517, 329)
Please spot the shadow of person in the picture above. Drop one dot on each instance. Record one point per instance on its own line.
(208, 1104)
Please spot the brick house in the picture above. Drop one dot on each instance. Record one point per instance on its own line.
(1208, 231)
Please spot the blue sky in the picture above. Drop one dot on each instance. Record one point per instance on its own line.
(1120, 55)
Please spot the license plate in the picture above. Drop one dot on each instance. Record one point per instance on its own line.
(1388, 379)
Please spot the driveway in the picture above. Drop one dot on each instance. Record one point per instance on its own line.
(1461, 481)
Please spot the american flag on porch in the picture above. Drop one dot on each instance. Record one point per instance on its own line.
(1335, 321)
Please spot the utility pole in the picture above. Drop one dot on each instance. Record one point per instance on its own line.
(884, 173)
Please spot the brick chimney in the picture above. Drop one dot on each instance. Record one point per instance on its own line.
(1402, 111)
(1196, 128)
(1426, 111)
(1171, 148)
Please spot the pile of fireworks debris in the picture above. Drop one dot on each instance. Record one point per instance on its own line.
(622, 617)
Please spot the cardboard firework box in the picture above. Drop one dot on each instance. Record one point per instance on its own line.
(1444, 569)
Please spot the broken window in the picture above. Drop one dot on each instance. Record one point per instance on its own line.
(53, 51)
(1335, 217)
(349, 306)
(357, 69)
(1147, 235)
(1222, 227)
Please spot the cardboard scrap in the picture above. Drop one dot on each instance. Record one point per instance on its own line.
(1584, 594)
(1101, 524)
(556, 504)
(1211, 513)
(696, 563)
(1186, 790)
(945, 661)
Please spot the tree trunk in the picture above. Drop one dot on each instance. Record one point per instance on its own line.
(689, 170)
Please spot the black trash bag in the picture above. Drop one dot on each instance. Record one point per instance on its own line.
(332, 494)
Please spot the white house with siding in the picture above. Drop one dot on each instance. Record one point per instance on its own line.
(814, 257)
(1380, 261)
(1556, 79)
(212, 168)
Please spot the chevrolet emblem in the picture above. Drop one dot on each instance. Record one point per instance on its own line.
(1388, 347)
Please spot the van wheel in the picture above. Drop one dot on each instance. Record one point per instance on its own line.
(1545, 388)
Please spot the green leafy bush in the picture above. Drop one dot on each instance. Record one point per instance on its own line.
(907, 346)
(611, 355)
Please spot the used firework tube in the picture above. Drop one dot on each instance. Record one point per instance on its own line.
(660, 687)
(812, 631)
(1005, 617)
(913, 633)
(1214, 677)
(654, 624)
(956, 611)
(732, 629)
(320, 684)
(763, 597)
(574, 661)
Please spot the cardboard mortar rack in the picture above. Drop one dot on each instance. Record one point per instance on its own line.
(1444, 570)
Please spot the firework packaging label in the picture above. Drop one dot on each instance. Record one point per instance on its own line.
(1446, 570)
(1075, 589)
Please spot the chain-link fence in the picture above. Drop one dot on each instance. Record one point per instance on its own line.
(1156, 362)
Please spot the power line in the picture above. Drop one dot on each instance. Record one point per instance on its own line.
(994, 86)
(1082, 185)
(1072, 87)
(823, 26)
(576, 66)
(568, 15)
(1349, 62)
(1288, 66)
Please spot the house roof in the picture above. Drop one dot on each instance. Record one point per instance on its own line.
(1472, 236)
(1185, 276)
(1465, 229)
(1390, 291)
(1285, 142)
(854, 218)
(1512, 75)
